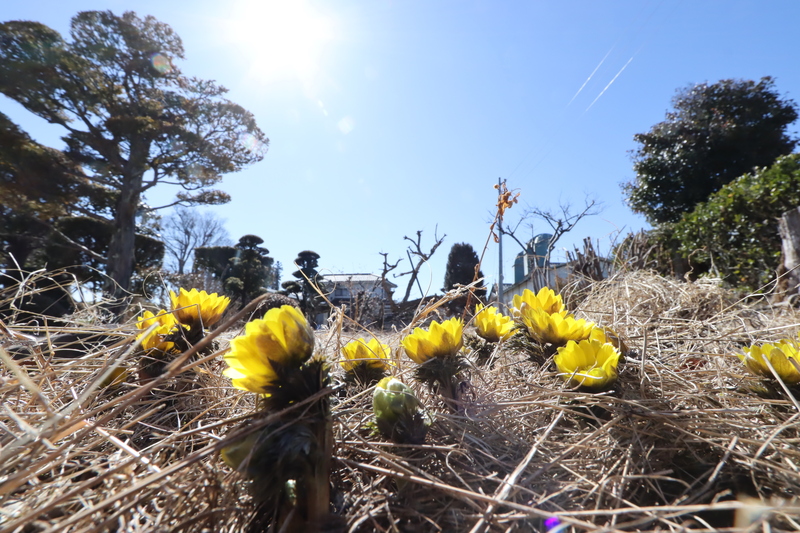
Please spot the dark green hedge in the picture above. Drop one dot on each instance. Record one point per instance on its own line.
(735, 232)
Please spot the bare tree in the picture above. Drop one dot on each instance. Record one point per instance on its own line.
(561, 221)
(187, 229)
(415, 251)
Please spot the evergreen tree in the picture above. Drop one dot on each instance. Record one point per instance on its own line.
(716, 133)
(49, 215)
(461, 264)
(132, 119)
(308, 280)
(245, 270)
(277, 272)
(251, 270)
(735, 231)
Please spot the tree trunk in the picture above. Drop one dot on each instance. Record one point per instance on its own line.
(119, 268)
(789, 283)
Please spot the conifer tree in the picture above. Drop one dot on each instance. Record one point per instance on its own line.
(132, 120)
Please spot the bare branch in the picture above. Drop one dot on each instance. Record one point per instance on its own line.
(385, 282)
(187, 229)
(512, 234)
(564, 221)
(561, 222)
(416, 250)
(182, 203)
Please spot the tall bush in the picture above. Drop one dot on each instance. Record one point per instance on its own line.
(735, 232)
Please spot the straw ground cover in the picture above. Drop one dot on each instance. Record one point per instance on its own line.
(685, 439)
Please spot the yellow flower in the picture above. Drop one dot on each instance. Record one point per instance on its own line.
(441, 340)
(493, 325)
(783, 356)
(605, 334)
(192, 307)
(282, 337)
(373, 354)
(588, 363)
(155, 339)
(555, 328)
(546, 300)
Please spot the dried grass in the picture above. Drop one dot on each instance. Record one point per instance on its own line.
(686, 432)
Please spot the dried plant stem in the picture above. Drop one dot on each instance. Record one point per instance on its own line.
(509, 482)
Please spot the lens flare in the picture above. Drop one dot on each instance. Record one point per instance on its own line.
(346, 125)
(251, 143)
(199, 173)
(161, 63)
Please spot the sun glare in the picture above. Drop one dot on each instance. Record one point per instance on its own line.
(280, 40)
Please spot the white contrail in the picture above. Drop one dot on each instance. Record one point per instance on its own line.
(612, 81)
(591, 75)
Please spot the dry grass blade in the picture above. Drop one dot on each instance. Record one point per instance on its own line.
(688, 440)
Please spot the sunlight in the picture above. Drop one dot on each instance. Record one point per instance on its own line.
(280, 40)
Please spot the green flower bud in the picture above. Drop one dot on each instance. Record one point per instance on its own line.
(399, 414)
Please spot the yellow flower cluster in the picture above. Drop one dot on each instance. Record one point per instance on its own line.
(783, 356)
(546, 318)
(371, 354)
(441, 340)
(189, 309)
(282, 338)
(198, 307)
(155, 339)
(493, 325)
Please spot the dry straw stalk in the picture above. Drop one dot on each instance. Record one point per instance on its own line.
(685, 440)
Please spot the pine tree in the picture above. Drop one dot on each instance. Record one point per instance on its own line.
(308, 279)
(131, 119)
(245, 270)
(461, 265)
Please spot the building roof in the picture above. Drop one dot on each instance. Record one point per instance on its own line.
(354, 278)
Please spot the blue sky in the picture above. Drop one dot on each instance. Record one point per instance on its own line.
(387, 117)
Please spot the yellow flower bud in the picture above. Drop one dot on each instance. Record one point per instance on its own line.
(234, 454)
(398, 412)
